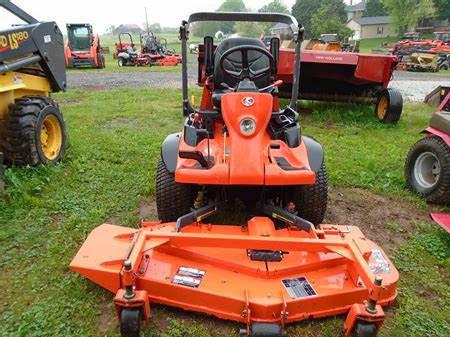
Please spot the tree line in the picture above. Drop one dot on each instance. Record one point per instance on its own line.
(324, 16)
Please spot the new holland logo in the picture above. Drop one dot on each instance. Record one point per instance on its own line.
(248, 101)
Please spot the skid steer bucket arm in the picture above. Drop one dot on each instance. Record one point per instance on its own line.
(34, 43)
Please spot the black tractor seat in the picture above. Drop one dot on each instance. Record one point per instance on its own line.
(257, 61)
(441, 121)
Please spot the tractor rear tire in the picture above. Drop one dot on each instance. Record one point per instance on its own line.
(427, 169)
(130, 322)
(34, 132)
(172, 199)
(389, 106)
(101, 61)
(311, 200)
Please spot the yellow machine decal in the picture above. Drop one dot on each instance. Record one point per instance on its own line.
(12, 41)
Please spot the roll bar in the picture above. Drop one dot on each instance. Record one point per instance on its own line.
(246, 17)
(297, 30)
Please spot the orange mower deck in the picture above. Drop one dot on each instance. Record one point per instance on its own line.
(211, 269)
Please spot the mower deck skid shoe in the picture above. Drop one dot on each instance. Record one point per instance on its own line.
(208, 268)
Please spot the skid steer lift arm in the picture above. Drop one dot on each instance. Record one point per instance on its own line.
(33, 43)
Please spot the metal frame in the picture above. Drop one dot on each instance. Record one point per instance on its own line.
(296, 28)
(43, 45)
(20, 13)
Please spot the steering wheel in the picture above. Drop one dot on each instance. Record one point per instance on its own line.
(246, 72)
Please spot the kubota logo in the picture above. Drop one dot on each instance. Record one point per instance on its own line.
(248, 101)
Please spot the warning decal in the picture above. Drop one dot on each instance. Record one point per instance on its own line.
(189, 277)
(299, 287)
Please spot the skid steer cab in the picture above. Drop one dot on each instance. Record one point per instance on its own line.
(83, 47)
(239, 143)
(32, 129)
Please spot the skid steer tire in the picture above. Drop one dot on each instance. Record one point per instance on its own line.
(101, 61)
(389, 106)
(172, 199)
(33, 132)
(311, 200)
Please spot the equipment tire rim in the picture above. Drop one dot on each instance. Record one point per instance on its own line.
(51, 137)
(382, 107)
(427, 170)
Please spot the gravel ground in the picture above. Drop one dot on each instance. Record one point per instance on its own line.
(413, 86)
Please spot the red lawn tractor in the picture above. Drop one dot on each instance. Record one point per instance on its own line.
(153, 52)
(83, 48)
(427, 168)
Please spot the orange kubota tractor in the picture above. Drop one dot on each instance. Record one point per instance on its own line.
(83, 48)
(280, 266)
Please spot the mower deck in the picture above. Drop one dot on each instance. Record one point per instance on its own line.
(232, 271)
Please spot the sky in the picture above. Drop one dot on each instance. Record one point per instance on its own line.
(103, 14)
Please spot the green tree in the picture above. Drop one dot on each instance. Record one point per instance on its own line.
(442, 9)
(276, 6)
(408, 13)
(155, 27)
(210, 28)
(304, 10)
(230, 6)
(375, 8)
(332, 24)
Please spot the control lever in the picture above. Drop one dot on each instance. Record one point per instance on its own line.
(288, 218)
(270, 87)
(196, 215)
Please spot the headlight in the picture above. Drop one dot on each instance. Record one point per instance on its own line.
(248, 126)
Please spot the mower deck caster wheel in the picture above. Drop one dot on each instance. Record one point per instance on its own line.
(263, 330)
(130, 322)
(364, 329)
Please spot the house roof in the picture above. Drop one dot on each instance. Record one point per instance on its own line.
(373, 20)
(359, 7)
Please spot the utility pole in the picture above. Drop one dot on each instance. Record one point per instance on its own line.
(146, 20)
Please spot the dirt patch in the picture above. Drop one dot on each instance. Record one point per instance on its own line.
(382, 219)
(107, 320)
(147, 211)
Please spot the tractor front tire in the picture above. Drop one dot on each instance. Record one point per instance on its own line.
(311, 200)
(427, 169)
(389, 106)
(172, 199)
(34, 132)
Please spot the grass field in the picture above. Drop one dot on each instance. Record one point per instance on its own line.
(109, 172)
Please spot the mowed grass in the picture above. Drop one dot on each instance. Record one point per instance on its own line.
(109, 171)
